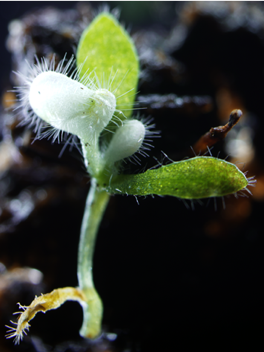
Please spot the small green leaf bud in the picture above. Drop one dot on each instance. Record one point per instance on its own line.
(126, 141)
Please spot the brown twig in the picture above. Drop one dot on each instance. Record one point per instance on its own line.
(216, 134)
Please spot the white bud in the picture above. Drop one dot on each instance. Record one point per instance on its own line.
(126, 141)
(69, 105)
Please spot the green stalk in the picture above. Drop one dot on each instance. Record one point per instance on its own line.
(92, 153)
(93, 308)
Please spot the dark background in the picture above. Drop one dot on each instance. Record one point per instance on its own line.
(140, 14)
(171, 278)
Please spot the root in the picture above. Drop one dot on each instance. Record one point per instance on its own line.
(42, 303)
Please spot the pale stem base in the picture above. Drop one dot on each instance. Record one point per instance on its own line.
(96, 203)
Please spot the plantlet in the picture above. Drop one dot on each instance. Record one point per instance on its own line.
(95, 102)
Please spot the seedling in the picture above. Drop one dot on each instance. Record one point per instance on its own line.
(95, 102)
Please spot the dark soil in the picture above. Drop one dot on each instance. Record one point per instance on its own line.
(171, 278)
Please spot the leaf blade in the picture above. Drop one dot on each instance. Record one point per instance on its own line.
(196, 178)
(107, 48)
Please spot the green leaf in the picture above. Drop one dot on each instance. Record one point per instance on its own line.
(199, 177)
(107, 48)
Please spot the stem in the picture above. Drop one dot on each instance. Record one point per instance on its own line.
(92, 153)
(93, 309)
